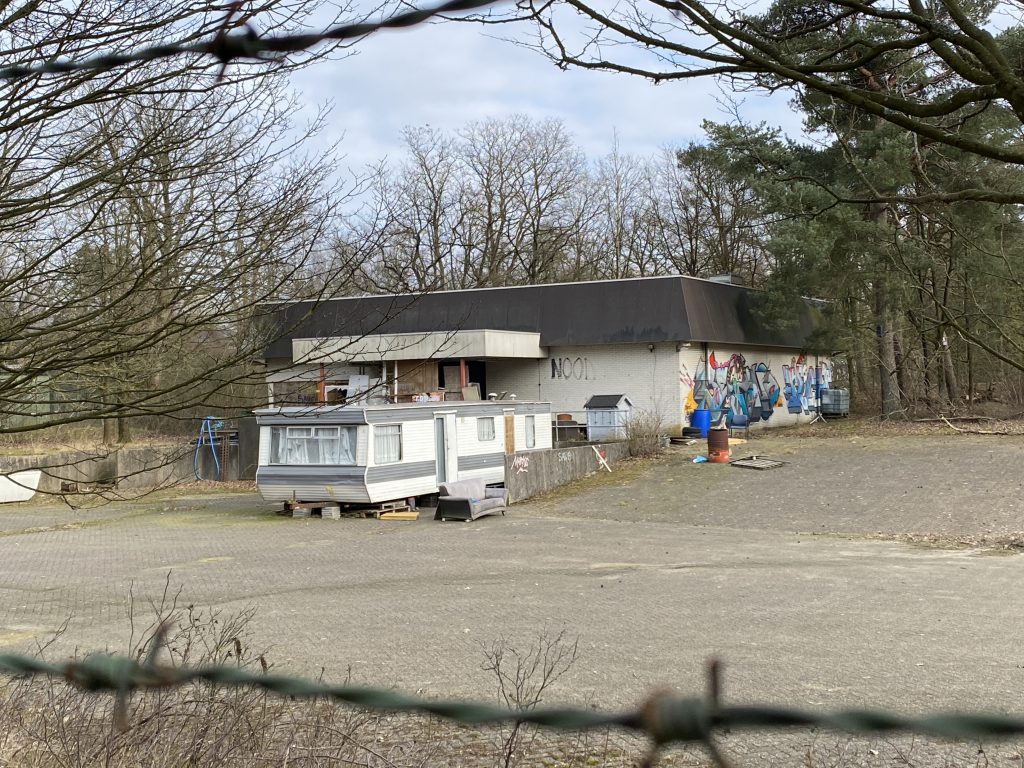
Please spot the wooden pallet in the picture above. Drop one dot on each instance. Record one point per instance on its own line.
(332, 510)
(757, 462)
(384, 508)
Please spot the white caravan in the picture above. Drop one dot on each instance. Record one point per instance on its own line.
(377, 453)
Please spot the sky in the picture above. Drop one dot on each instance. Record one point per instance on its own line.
(449, 74)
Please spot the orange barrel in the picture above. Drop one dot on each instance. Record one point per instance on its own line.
(718, 446)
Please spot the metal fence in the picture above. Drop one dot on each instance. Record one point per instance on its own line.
(663, 718)
(588, 426)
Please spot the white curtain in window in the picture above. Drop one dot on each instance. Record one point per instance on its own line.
(531, 432)
(345, 452)
(297, 451)
(296, 446)
(387, 441)
(313, 445)
(485, 428)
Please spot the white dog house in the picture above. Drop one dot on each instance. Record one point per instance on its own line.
(607, 416)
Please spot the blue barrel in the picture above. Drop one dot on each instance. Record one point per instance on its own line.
(701, 419)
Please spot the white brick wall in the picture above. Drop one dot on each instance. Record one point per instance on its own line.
(661, 380)
(570, 375)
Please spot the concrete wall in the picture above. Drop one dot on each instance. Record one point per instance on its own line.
(568, 376)
(131, 468)
(127, 468)
(528, 473)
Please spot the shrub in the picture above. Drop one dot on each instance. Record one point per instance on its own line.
(644, 431)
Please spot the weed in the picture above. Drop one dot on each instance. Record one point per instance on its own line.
(645, 431)
(523, 675)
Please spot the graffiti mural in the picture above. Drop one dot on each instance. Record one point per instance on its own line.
(748, 393)
(803, 381)
(730, 386)
(767, 390)
(684, 376)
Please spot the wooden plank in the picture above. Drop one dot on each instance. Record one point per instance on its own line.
(411, 514)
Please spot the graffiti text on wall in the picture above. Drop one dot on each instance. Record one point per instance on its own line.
(684, 376)
(750, 393)
(578, 368)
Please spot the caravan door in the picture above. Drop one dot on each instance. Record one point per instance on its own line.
(446, 447)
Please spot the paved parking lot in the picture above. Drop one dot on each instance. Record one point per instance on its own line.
(655, 568)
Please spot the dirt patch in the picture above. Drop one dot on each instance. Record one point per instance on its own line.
(1008, 543)
(951, 491)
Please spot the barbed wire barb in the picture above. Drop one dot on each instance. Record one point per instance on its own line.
(249, 44)
(664, 717)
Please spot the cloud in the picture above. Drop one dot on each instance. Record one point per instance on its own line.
(449, 74)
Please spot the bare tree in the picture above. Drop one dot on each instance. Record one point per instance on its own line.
(147, 215)
(519, 176)
(493, 205)
(622, 237)
(924, 67)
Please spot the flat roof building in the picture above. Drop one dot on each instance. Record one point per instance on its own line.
(667, 343)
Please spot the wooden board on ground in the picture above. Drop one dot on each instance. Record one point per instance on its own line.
(757, 462)
(411, 514)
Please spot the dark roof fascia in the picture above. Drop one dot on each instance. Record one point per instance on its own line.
(720, 313)
(641, 310)
(564, 314)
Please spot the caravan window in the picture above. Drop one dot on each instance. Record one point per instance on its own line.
(531, 432)
(387, 443)
(485, 428)
(312, 445)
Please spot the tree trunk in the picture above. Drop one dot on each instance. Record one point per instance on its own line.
(903, 393)
(110, 431)
(891, 407)
(949, 372)
(858, 385)
(926, 364)
(971, 385)
(116, 431)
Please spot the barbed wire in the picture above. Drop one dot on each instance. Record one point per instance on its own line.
(248, 44)
(664, 717)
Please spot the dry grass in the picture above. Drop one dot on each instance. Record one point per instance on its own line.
(78, 438)
(869, 426)
(48, 724)
(644, 432)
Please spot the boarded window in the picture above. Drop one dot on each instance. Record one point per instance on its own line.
(387, 443)
(531, 432)
(312, 445)
(294, 393)
(485, 428)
